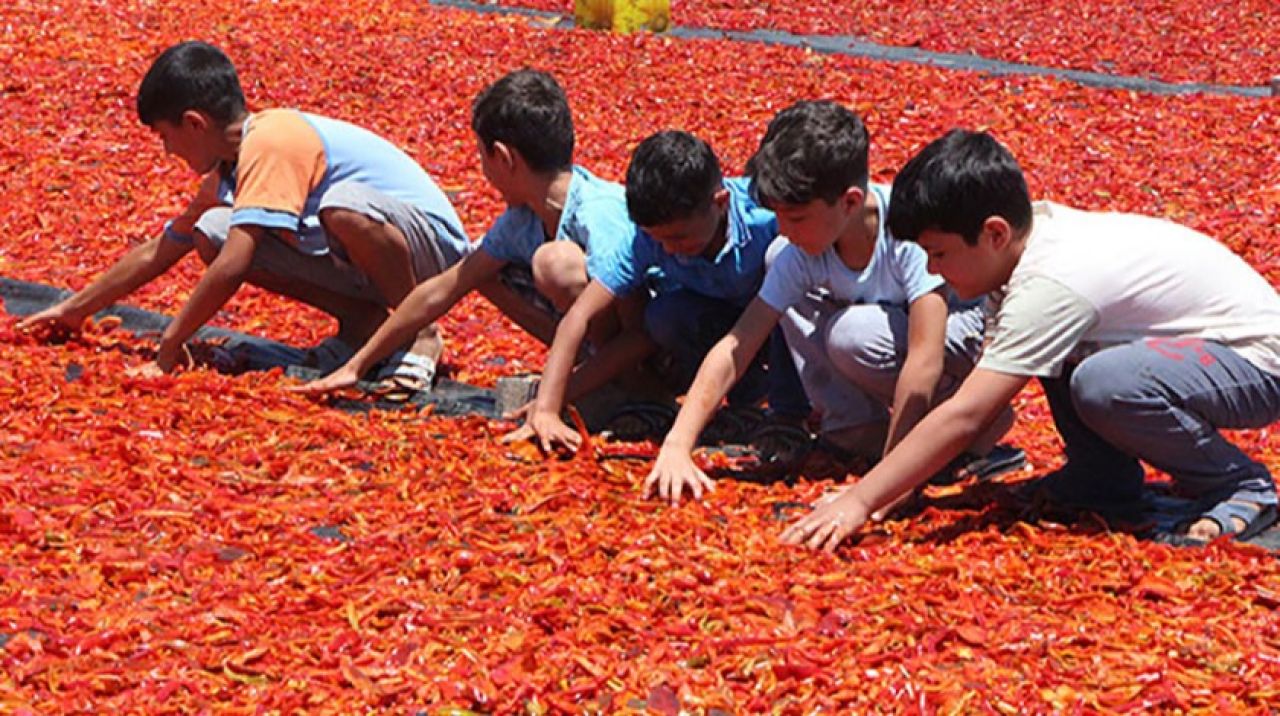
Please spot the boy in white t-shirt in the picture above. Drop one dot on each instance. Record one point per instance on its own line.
(1148, 338)
(878, 346)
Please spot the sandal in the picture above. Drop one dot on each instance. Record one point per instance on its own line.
(1001, 460)
(404, 375)
(732, 424)
(1257, 518)
(636, 422)
(782, 448)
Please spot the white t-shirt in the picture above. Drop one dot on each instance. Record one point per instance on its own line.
(1092, 280)
(896, 275)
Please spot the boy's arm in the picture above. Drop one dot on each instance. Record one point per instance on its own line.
(939, 437)
(427, 302)
(220, 282)
(724, 364)
(624, 350)
(918, 379)
(544, 421)
(140, 265)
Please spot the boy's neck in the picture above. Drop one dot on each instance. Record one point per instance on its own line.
(232, 136)
(857, 243)
(546, 197)
(722, 237)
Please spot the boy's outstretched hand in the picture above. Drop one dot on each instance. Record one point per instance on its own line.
(54, 318)
(344, 377)
(832, 520)
(547, 430)
(672, 472)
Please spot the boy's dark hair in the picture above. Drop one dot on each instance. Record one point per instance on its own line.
(955, 184)
(812, 150)
(527, 111)
(190, 76)
(672, 176)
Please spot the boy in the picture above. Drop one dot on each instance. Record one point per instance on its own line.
(541, 252)
(881, 334)
(706, 237)
(1148, 338)
(305, 206)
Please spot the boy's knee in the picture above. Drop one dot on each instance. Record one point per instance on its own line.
(1095, 385)
(559, 272)
(662, 320)
(210, 232)
(859, 341)
(341, 224)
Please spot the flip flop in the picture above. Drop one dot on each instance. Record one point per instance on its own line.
(1257, 518)
(404, 375)
(639, 421)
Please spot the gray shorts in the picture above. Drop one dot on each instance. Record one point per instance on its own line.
(849, 357)
(333, 271)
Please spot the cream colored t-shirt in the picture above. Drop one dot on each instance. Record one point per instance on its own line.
(1092, 280)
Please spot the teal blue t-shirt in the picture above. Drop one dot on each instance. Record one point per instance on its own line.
(594, 216)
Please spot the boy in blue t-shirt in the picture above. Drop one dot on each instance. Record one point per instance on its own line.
(703, 240)
(540, 253)
(869, 328)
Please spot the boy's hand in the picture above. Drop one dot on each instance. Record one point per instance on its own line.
(547, 430)
(53, 317)
(832, 520)
(672, 472)
(147, 370)
(344, 377)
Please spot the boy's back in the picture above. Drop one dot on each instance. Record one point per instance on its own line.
(1112, 278)
(734, 275)
(289, 159)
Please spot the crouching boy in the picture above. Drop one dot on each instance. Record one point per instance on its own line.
(305, 206)
(1148, 338)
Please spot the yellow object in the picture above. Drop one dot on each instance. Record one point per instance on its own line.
(623, 15)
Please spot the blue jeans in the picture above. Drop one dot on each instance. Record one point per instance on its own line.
(686, 325)
(1162, 401)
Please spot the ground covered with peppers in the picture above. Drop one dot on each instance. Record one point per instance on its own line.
(206, 542)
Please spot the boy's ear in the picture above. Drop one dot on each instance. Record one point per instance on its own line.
(506, 155)
(998, 231)
(196, 120)
(853, 198)
(721, 199)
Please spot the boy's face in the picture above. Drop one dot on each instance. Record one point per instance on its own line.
(696, 235)
(193, 139)
(970, 270)
(815, 225)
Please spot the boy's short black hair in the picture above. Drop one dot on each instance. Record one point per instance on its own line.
(190, 76)
(955, 184)
(527, 111)
(812, 150)
(672, 176)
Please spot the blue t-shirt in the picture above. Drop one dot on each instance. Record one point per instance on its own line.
(735, 273)
(594, 215)
(896, 275)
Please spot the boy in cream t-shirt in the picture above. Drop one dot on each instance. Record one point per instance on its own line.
(1147, 336)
